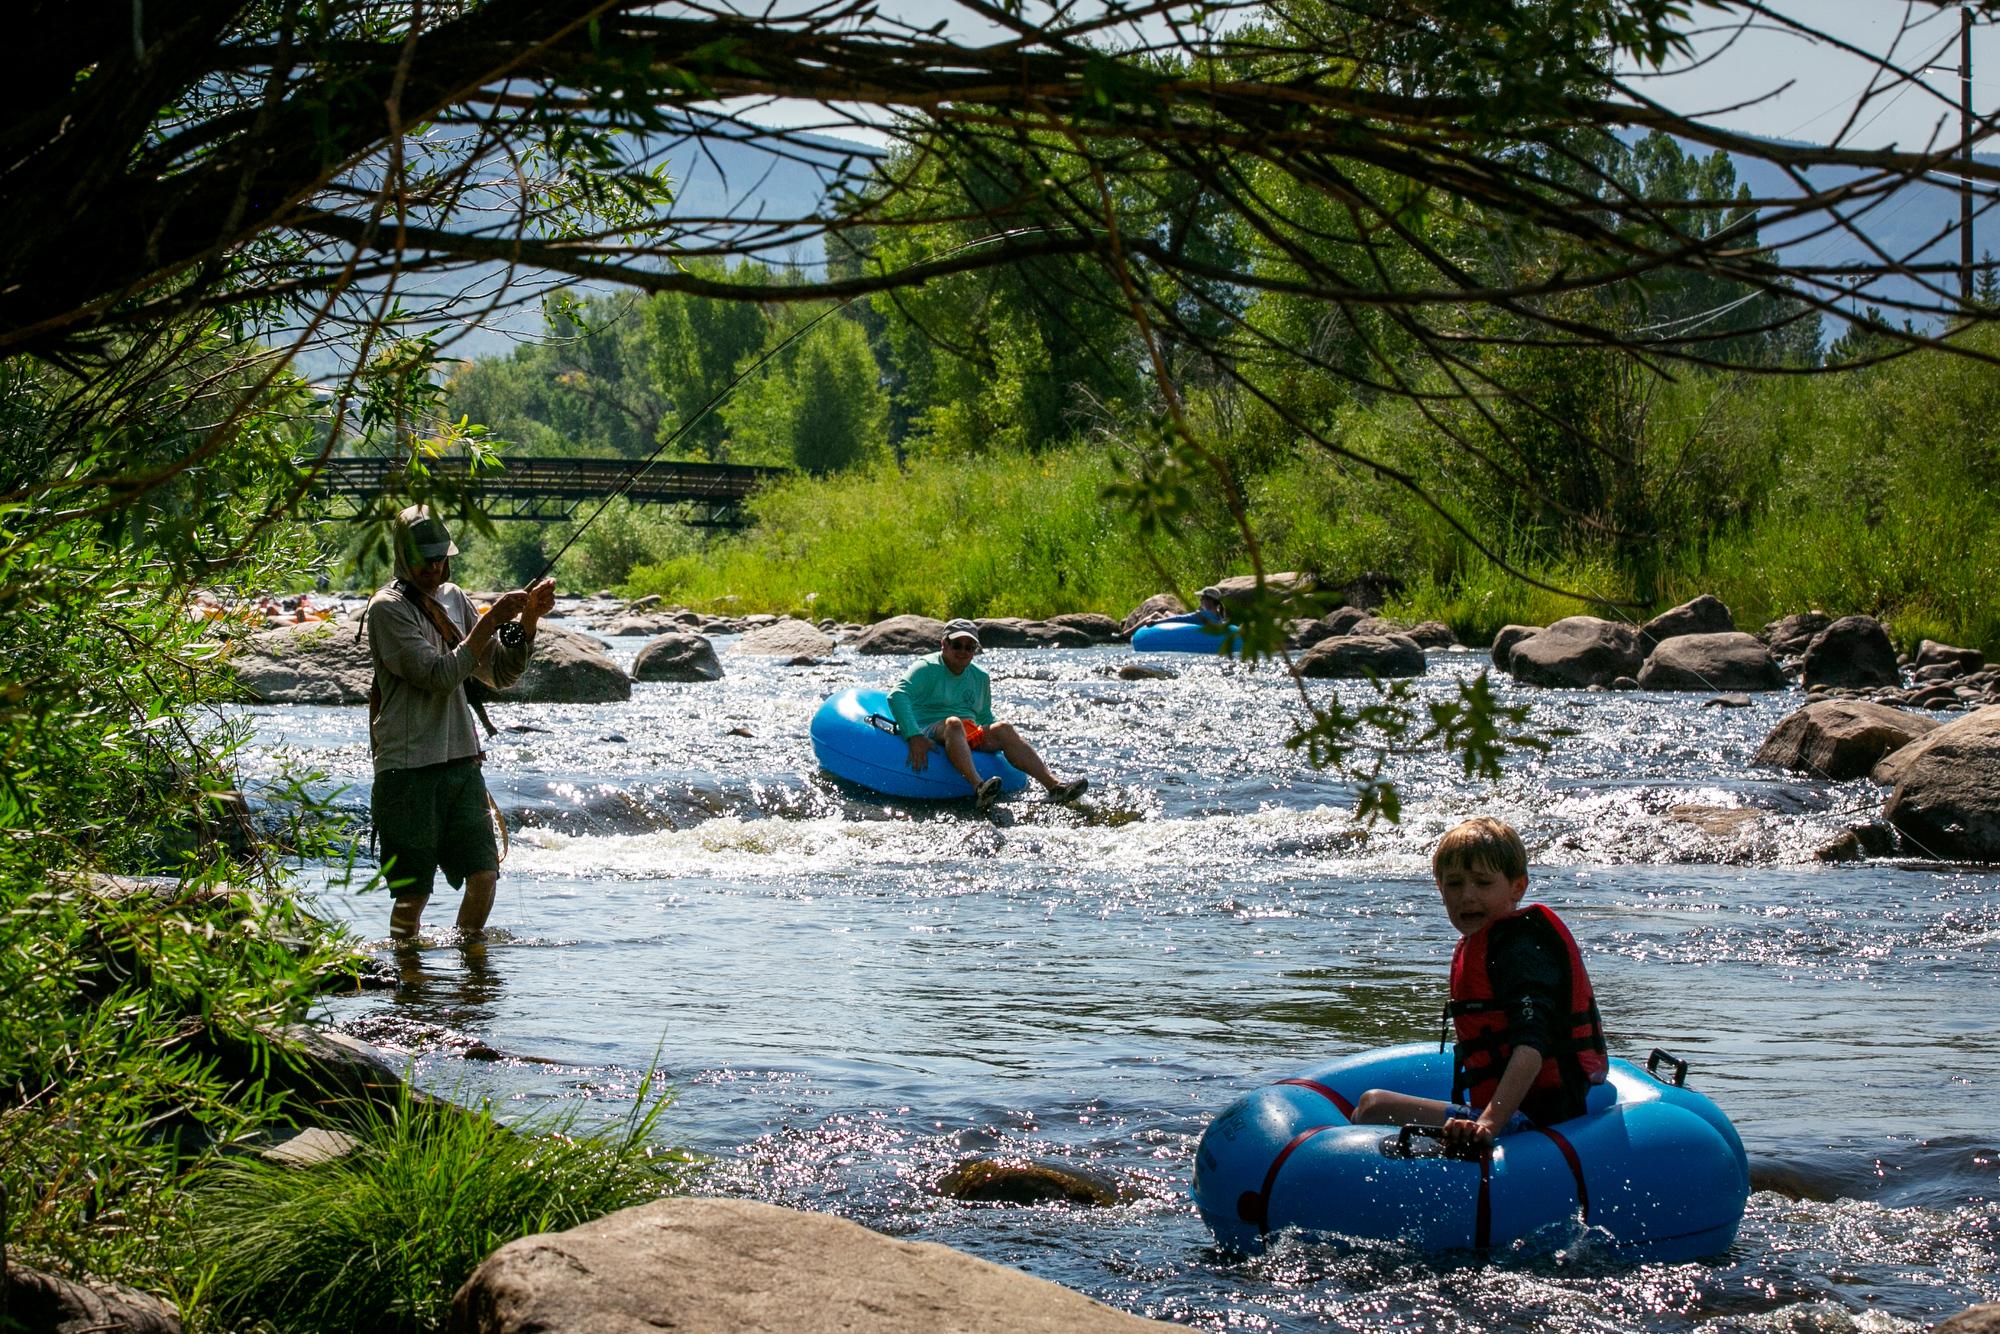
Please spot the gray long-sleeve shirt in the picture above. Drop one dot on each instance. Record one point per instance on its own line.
(425, 718)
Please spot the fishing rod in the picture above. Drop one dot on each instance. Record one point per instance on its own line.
(717, 399)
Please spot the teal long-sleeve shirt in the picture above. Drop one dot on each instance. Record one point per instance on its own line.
(929, 693)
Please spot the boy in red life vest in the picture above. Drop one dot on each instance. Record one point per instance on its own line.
(1530, 1043)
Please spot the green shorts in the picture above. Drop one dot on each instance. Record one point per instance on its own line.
(432, 819)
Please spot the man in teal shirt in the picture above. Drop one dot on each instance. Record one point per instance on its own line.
(944, 700)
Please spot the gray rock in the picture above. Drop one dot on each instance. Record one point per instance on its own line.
(679, 656)
(713, 1266)
(320, 663)
(901, 634)
(1981, 1319)
(1304, 633)
(568, 667)
(1342, 620)
(1101, 629)
(1726, 661)
(1704, 615)
(1790, 636)
(1964, 661)
(1015, 632)
(1504, 641)
(787, 638)
(1370, 589)
(1725, 702)
(1139, 671)
(1839, 739)
(1152, 609)
(1432, 634)
(1621, 683)
(49, 1304)
(1348, 656)
(1577, 652)
(1946, 802)
(1284, 586)
(1853, 652)
(656, 623)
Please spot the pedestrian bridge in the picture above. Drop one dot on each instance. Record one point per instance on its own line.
(547, 489)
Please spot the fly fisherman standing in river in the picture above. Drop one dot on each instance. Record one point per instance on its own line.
(428, 644)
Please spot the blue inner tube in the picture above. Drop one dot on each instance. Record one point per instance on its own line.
(854, 736)
(1185, 637)
(1654, 1171)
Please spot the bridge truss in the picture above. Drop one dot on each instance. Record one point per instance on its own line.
(710, 495)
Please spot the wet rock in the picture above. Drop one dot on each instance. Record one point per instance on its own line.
(1981, 1319)
(740, 731)
(1015, 632)
(1854, 652)
(1139, 671)
(1715, 821)
(47, 1303)
(1575, 652)
(1622, 683)
(1840, 739)
(992, 1181)
(1790, 636)
(1724, 701)
(1099, 629)
(901, 634)
(1704, 615)
(712, 1265)
(1960, 661)
(1946, 801)
(568, 667)
(1152, 609)
(1505, 640)
(623, 626)
(1352, 656)
(787, 638)
(320, 663)
(1726, 661)
(679, 656)
(1868, 840)
(1940, 696)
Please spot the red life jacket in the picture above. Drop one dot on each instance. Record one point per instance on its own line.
(1480, 1020)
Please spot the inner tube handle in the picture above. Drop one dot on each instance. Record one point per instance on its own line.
(1680, 1067)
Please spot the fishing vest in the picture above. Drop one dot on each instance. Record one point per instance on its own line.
(1480, 1020)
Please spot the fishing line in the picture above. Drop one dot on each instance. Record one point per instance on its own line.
(750, 370)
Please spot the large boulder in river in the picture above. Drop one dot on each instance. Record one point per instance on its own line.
(1726, 661)
(1947, 797)
(1576, 652)
(1504, 641)
(569, 667)
(711, 1265)
(787, 638)
(1959, 661)
(1152, 609)
(1100, 629)
(320, 663)
(1349, 656)
(901, 634)
(1790, 636)
(1852, 652)
(1014, 632)
(1705, 615)
(680, 656)
(1283, 586)
(1840, 739)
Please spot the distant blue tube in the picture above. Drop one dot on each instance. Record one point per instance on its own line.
(1186, 637)
(852, 747)
(1654, 1172)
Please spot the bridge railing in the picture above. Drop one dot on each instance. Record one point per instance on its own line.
(550, 488)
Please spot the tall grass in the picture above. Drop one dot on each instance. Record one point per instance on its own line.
(380, 1239)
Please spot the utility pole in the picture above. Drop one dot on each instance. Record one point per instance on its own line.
(1965, 153)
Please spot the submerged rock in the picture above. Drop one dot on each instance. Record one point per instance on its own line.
(1576, 652)
(993, 1181)
(1727, 661)
(1947, 797)
(712, 1265)
(679, 656)
(1139, 671)
(1840, 739)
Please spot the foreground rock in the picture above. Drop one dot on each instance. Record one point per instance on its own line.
(709, 1266)
(1947, 797)
(1353, 656)
(321, 663)
(680, 656)
(1840, 739)
(1853, 652)
(43, 1302)
(901, 634)
(1727, 661)
(1981, 1319)
(788, 638)
(1577, 652)
(1705, 615)
(569, 667)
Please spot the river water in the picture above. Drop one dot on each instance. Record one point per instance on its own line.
(849, 997)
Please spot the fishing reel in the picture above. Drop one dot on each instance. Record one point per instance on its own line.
(511, 635)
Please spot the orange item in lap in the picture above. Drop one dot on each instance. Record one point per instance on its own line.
(974, 734)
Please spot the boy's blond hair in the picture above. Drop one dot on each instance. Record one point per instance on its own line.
(1482, 843)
